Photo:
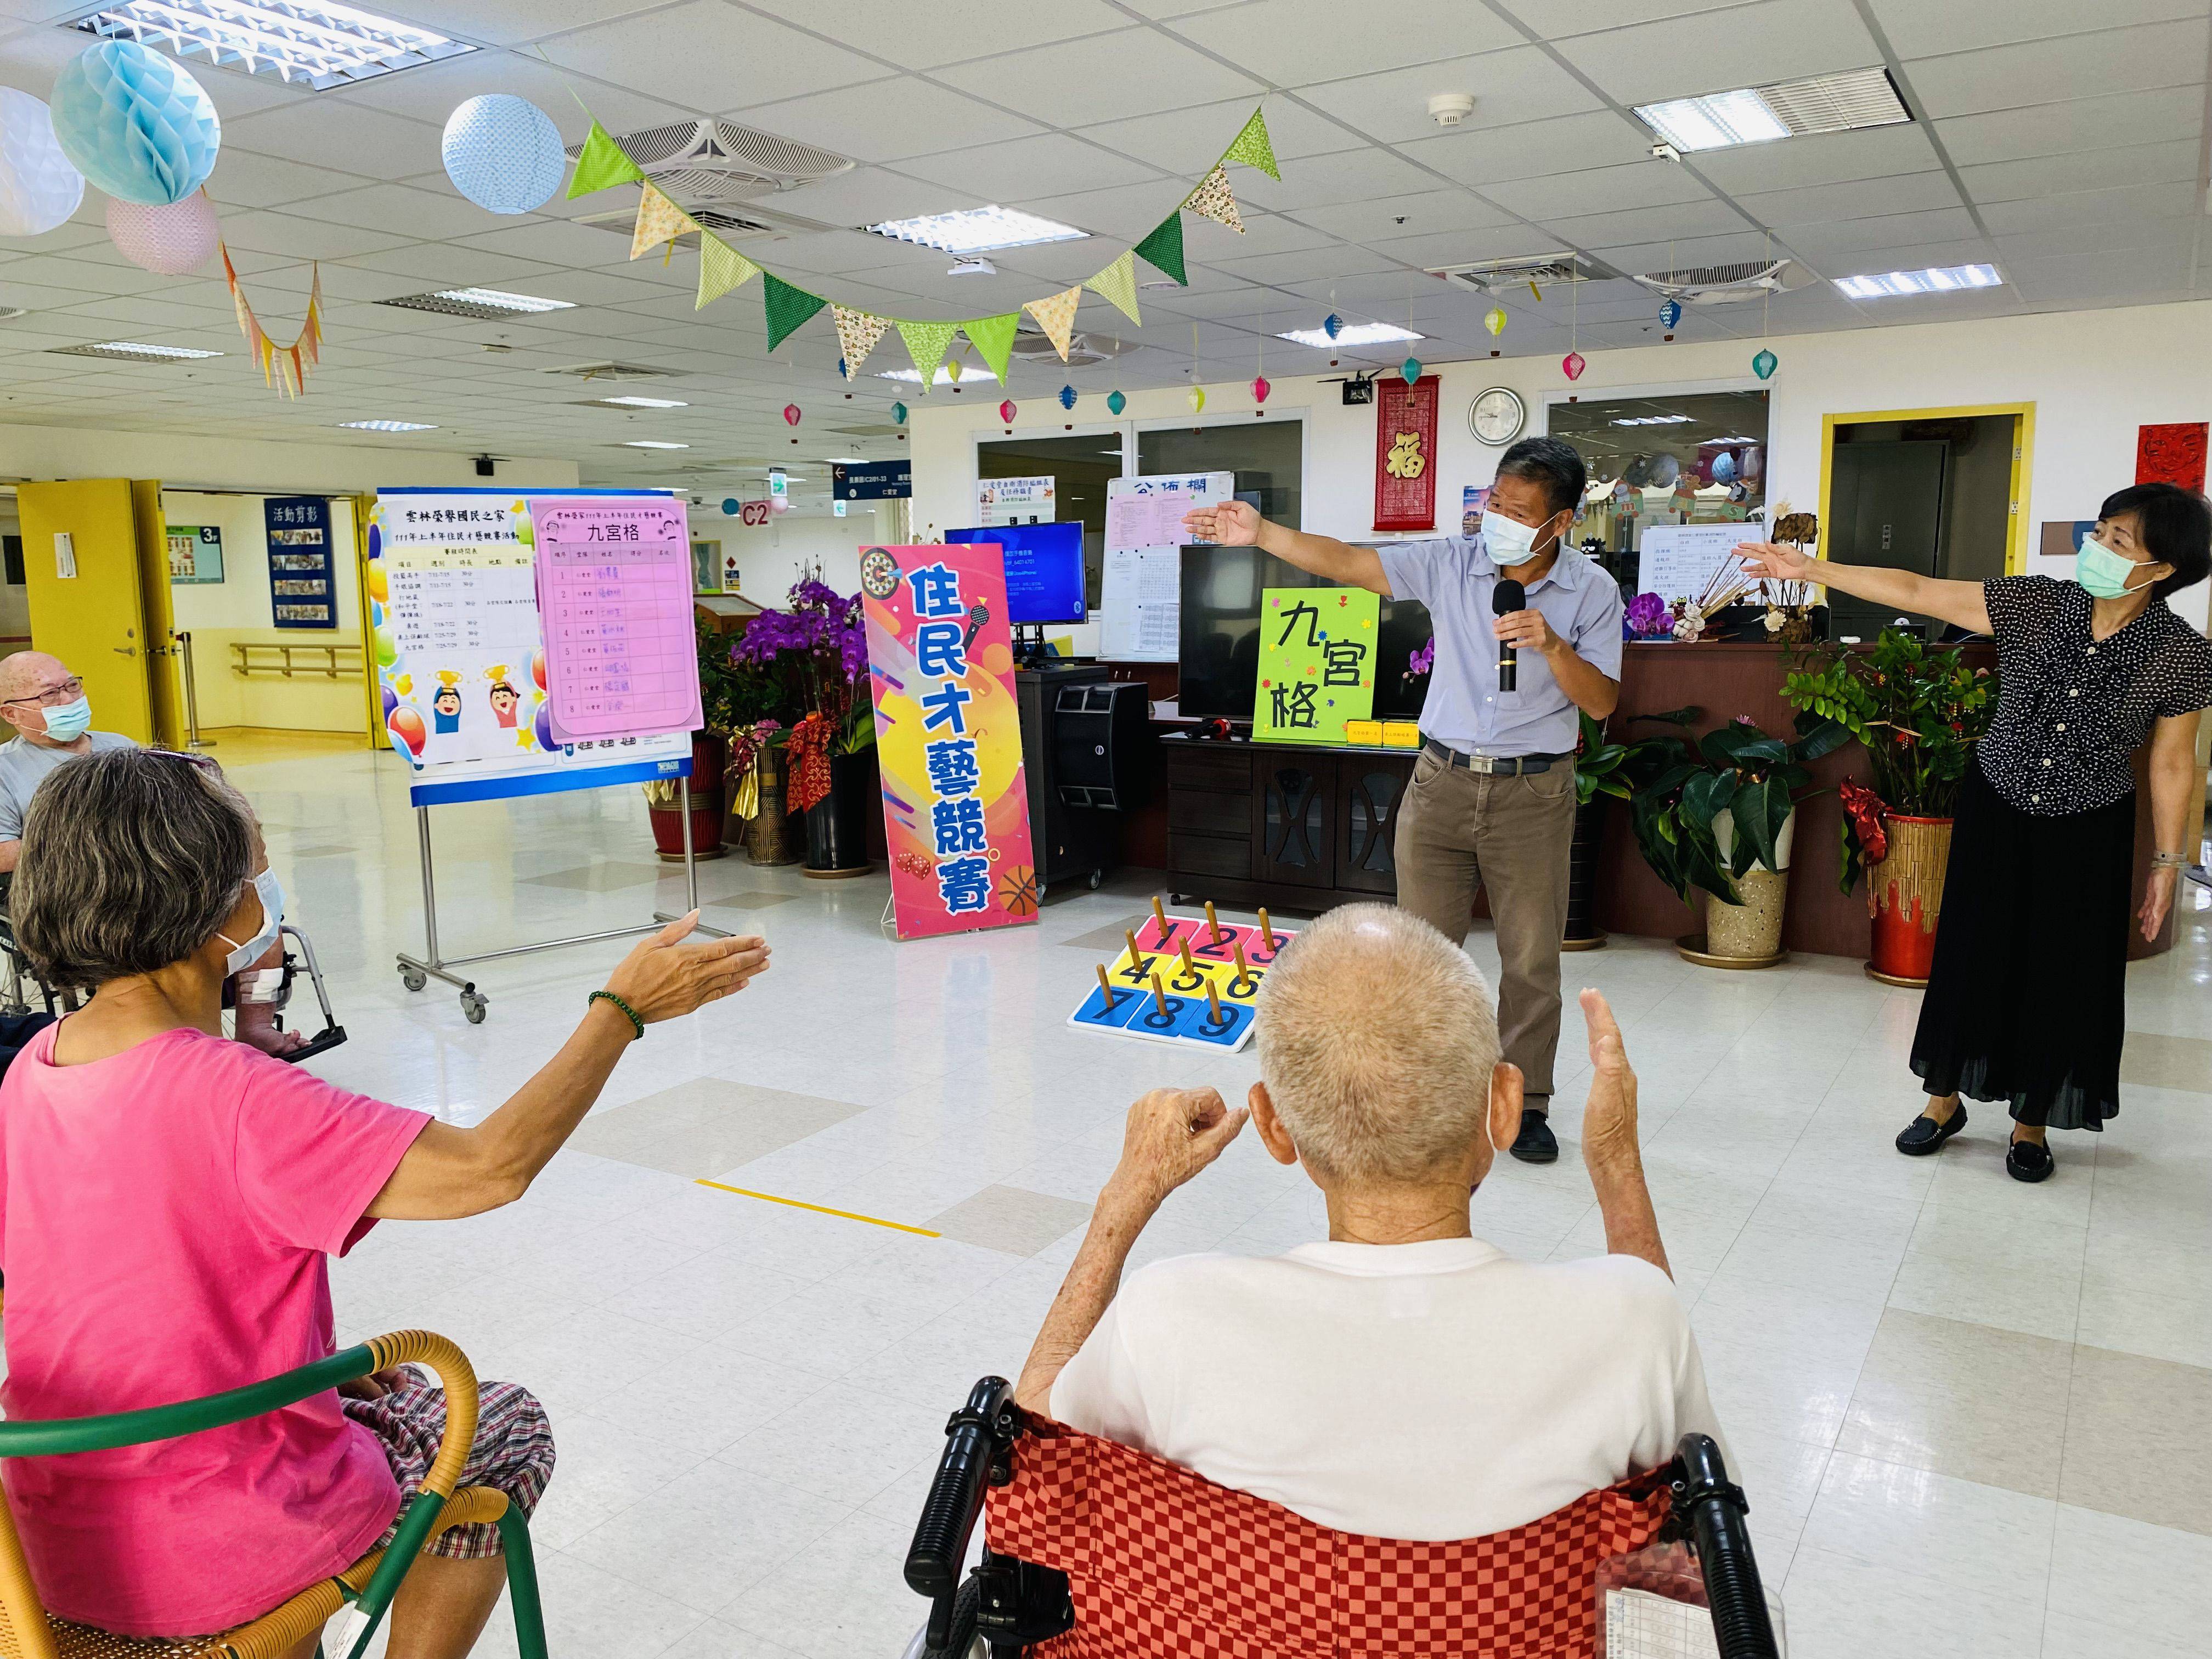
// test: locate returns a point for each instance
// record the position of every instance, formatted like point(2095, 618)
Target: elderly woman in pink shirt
point(168, 1204)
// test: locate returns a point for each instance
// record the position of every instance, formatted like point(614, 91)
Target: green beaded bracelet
point(628, 1012)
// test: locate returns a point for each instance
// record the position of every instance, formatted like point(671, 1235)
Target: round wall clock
point(1496, 415)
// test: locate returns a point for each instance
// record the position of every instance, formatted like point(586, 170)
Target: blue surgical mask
point(2099, 570)
point(1508, 541)
point(271, 891)
point(70, 721)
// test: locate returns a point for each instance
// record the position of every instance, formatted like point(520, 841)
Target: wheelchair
point(1097, 1551)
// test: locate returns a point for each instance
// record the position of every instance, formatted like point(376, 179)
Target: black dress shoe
point(2029, 1160)
point(1535, 1144)
point(1924, 1134)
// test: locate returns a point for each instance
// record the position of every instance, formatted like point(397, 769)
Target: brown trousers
point(1461, 830)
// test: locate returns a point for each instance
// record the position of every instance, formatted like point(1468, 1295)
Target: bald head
point(1376, 1041)
point(27, 673)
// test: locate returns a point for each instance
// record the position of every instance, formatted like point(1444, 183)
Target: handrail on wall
point(331, 661)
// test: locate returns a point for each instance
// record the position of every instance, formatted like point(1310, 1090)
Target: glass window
point(1698, 457)
point(1079, 468)
point(1267, 456)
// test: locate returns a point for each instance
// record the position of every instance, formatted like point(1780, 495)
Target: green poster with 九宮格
point(1317, 663)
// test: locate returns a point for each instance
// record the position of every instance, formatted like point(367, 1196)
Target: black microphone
point(1508, 595)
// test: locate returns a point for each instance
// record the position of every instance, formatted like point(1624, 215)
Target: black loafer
point(1535, 1144)
point(2029, 1160)
point(1924, 1135)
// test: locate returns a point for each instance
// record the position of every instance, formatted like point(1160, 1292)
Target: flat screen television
point(1044, 569)
point(1220, 642)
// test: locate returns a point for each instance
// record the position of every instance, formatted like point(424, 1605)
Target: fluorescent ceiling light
point(386, 426)
point(653, 443)
point(977, 230)
point(291, 41)
point(135, 351)
point(943, 375)
point(1654, 420)
point(1757, 115)
point(499, 301)
point(1352, 334)
point(1937, 280)
point(641, 402)
point(845, 460)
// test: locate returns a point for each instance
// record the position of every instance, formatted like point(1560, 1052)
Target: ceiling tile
point(1310, 265)
point(1599, 189)
point(1352, 175)
point(1183, 141)
point(2078, 124)
point(442, 264)
point(242, 179)
point(1568, 144)
point(886, 120)
point(1643, 224)
point(1558, 19)
point(2096, 169)
point(1923, 28)
point(1125, 212)
point(1747, 46)
point(2116, 239)
point(271, 232)
point(865, 195)
point(2079, 66)
point(555, 243)
point(690, 54)
point(946, 30)
point(416, 214)
point(432, 92)
point(1021, 168)
point(1826, 238)
point(506, 22)
point(1520, 84)
point(1863, 198)
point(1824, 158)
point(1103, 78)
point(2089, 207)
point(344, 137)
point(1428, 253)
point(1430, 213)
point(1276, 39)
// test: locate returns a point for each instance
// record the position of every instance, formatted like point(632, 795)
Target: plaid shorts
point(512, 1452)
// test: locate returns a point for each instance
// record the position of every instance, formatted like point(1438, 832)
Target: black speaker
point(1098, 733)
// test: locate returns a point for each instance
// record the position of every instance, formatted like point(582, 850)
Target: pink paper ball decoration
point(173, 241)
point(1261, 388)
point(1006, 412)
point(791, 414)
point(1574, 365)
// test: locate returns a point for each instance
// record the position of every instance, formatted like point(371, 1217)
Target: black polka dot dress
point(2026, 1000)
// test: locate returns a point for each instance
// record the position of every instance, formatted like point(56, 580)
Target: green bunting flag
point(721, 267)
point(925, 344)
point(1162, 249)
point(1118, 282)
point(787, 306)
point(1253, 148)
point(601, 164)
point(993, 338)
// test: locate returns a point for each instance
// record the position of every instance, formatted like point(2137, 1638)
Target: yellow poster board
point(1317, 663)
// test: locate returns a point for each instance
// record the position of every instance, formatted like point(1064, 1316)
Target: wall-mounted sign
point(876, 481)
point(1015, 500)
point(195, 553)
point(755, 513)
point(303, 587)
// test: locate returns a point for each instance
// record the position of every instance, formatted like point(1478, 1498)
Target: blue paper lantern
point(503, 153)
point(1067, 397)
point(898, 413)
point(1332, 324)
point(135, 124)
point(1670, 314)
point(1117, 401)
point(1724, 468)
point(732, 507)
point(1764, 364)
point(1410, 368)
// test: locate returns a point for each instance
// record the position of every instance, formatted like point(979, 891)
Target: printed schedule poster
point(614, 595)
point(1317, 663)
point(460, 651)
point(955, 809)
point(303, 585)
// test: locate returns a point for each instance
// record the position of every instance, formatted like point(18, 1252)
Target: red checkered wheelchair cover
point(1161, 1563)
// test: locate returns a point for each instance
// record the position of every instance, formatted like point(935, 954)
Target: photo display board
point(459, 646)
point(303, 588)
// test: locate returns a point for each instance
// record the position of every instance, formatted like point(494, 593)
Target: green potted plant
point(710, 755)
point(1721, 816)
point(1919, 712)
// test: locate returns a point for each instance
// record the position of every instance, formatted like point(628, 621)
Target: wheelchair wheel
point(413, 978)
point(1096, 876)
point(472, 1005)
point(965, 1643)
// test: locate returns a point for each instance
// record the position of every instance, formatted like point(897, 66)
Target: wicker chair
point(27, 1631)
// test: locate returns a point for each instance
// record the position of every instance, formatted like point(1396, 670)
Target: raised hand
point(1775, 562)
point(1172, 1135)
point(1610, 1140)
point(670, 974)
point(1232, 524)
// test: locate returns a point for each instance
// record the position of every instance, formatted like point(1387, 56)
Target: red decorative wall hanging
point(2171, 455)
point(1406, 453)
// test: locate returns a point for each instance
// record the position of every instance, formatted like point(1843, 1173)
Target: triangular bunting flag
point(925, 344)
point(787, 306)
point(658, 220)
point(1253, 148)
point(857, 334)
point(721, 267)
point(1118, 282)
point(601, 164)
point(1056, 317)
point(1162, 249)
point(1212, 200)
point(993, 338)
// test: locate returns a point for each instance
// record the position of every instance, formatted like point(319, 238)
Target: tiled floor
point(1971, 1415)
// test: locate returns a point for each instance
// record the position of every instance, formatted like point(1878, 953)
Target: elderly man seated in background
point(1404, 1379)
point(52, 717)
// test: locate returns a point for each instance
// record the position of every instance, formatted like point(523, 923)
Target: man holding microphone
point(1528, 632)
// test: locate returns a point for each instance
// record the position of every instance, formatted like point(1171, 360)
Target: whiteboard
point(1147, 511)
point(1140, 605)
point(1687, 561)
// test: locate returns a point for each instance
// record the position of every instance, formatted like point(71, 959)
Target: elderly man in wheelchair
point(1400, 1441)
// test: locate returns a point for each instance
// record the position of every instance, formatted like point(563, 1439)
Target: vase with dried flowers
point(817, 650)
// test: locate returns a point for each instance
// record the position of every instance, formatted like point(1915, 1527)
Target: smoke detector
point(1449, 109)
point(1720, 285)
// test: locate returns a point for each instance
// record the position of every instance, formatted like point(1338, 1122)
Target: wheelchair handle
point(977, 1439)
point(1714, 1507)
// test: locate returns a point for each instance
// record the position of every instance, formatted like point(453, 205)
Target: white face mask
point(271, 891)
point(1508, 541)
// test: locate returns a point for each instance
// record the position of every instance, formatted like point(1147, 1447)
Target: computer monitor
point(1044, 569)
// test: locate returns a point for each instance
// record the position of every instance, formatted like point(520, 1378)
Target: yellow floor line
point(820, 1209)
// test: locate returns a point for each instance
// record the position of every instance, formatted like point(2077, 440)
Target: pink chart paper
point(614, 588)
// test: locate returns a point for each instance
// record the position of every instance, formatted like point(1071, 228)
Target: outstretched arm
point(1960, 604)
point(1238, 523)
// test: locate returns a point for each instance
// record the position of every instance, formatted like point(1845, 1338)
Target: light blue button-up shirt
point(1454, 577)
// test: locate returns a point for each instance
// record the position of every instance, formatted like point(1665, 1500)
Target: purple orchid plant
point(818, 649)
point(1648, 617)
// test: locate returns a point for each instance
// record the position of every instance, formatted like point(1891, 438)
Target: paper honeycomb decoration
point(169, 241)
point(38, 188)
point(135, 124)
point(503, 153)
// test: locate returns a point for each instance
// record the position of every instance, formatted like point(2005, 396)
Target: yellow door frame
point(2023, 456)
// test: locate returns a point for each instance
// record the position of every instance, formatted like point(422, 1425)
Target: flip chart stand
point(415, 972)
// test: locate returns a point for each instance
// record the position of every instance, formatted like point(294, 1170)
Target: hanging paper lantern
point(1006, 412)
point(1494, 320)
point(1261, 389)
point(791, 414)
point(1723, 468)
point(135, 123)
point(1196, 398)
point(1067, 397)
point(732, 507)
point(1117, 401)
point(843, 373)
point(953, 370)
point(1332, 325)
point(406, 728)
point(1670, 314)
point(169, 241)
point(38, 188)
point(1574, 365)
point(1764, 364)
point(503, 153)
point(1410, 368)
point(898, 413)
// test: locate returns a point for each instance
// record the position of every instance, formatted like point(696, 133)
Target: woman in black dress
point(2026, 999)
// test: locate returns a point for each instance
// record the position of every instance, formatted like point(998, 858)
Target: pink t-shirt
point(165, 1218)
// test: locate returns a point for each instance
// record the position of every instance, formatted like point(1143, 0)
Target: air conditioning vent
point(720, 161)
point(1035, 346)
point(613, 371)
point(751, 223)
point(1544, 269)
point(1720, 285)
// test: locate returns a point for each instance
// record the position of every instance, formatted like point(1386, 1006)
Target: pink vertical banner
point(948, 738)
point(614, 594)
